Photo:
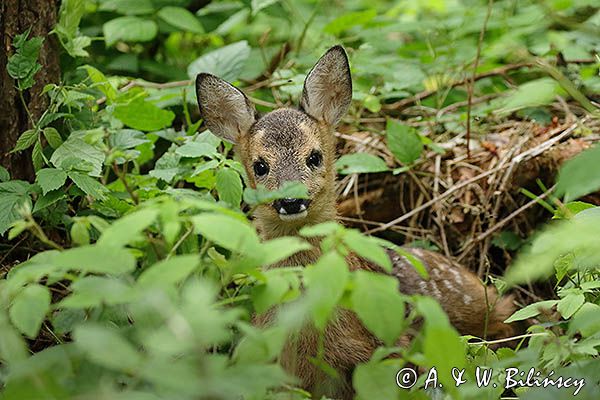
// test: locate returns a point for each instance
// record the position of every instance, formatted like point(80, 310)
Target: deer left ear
point(328, 87)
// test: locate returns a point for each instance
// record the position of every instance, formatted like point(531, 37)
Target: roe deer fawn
point(299, 145)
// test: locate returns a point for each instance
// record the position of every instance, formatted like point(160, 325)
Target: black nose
point(290, 206)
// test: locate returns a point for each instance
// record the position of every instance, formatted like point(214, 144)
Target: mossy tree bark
point(16, 16)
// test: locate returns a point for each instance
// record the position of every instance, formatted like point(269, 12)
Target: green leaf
point(367, 248)
point(129, 29)
point(226, 62)
point(4, 174)
point(50, 179)
point(278, 249)
point(379, 305)
point(128, 7)
point(127, 228)
point(568, 305)
point(26, 140)
point(325, 282)
point(586, 320)
point(48, 199)
point(96, 259)
point(29, 309)
point(23, 64)
point(144, 116)
point(576, 178)
point(261, 195)
point(13, 196)
point(376, 380)
point(125, 139)
point(74, 151)
point(258, 5)
point(571, 208)
point(97, 291)
point(403, 141)
point(90, 186)
point(107, 348)
point(533, 93)
point(53, 137)
point(360, 163)
point(80, 234)
point(169, 272)
point(531, 310)
point(227, 232)
point(101, 82)
point(349, 20)
point(67, 28)
point(181, 18)
point(196, 149)
point(229, 186)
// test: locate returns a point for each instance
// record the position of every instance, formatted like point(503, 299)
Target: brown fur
point(283, 139)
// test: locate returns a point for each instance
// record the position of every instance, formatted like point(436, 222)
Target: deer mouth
point(291, 209)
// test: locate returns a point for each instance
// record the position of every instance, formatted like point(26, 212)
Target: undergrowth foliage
point(143, 269)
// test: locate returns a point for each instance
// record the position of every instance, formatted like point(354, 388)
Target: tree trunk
point(16, 16)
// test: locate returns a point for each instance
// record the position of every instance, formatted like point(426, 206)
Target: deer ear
point(226, 111)
point(328, 87)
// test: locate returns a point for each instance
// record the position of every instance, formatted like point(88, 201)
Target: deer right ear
point(226, 111)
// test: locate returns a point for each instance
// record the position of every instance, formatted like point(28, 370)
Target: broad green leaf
point(106, 347)
point(576, 178)
point(403, 141)
point(268, 294)
point(325, 282)
point(124, 139)
point(101, 82)
point(586, 320)
point(376, 380)
point(96, 259)
point(129, 29)
point(50, 179)
point(67, 28)
point(181, 18)
point(568, 305)
point(75, 151)
point(261, 195)
point(13, 196)
point(128, 7)
point(360, 163)
point(538, 92)
point(258, 5)
point(127, 228)
point(90, 186)
point(531, 310)
point(26, 140)
point(48, 200)
point(322, 229)
point(96, 291)
point(379, 305)
point(227, 232)
point(4, 174)
point(23, 65)
point(80, 234)
point(226, 62)
point(196, 149)
point(169, 272)
point(29, 309)
point(349, 20)
point(53, 137)
point(144, 116)
point(278, 249)
point(367, 248)
point(229, 186)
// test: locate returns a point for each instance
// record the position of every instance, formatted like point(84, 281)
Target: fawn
point(299, 145)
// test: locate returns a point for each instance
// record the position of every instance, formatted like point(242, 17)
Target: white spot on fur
point(467, 299)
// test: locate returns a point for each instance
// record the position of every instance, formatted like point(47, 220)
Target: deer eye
point(315, 159)
point(260, 168)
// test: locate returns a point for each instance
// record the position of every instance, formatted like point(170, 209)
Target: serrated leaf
point(181, 18)
point(53, 137)
point(13, 196)
point(89, 185)
point(129, 29)
point(26, 140)
point(29, 309)
point(229, 186)
point(378, 303)
point(226, 62)
point(360, 163)
point(50, 179)
point(75, 149)
point(143, 115)
point(403, 141)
